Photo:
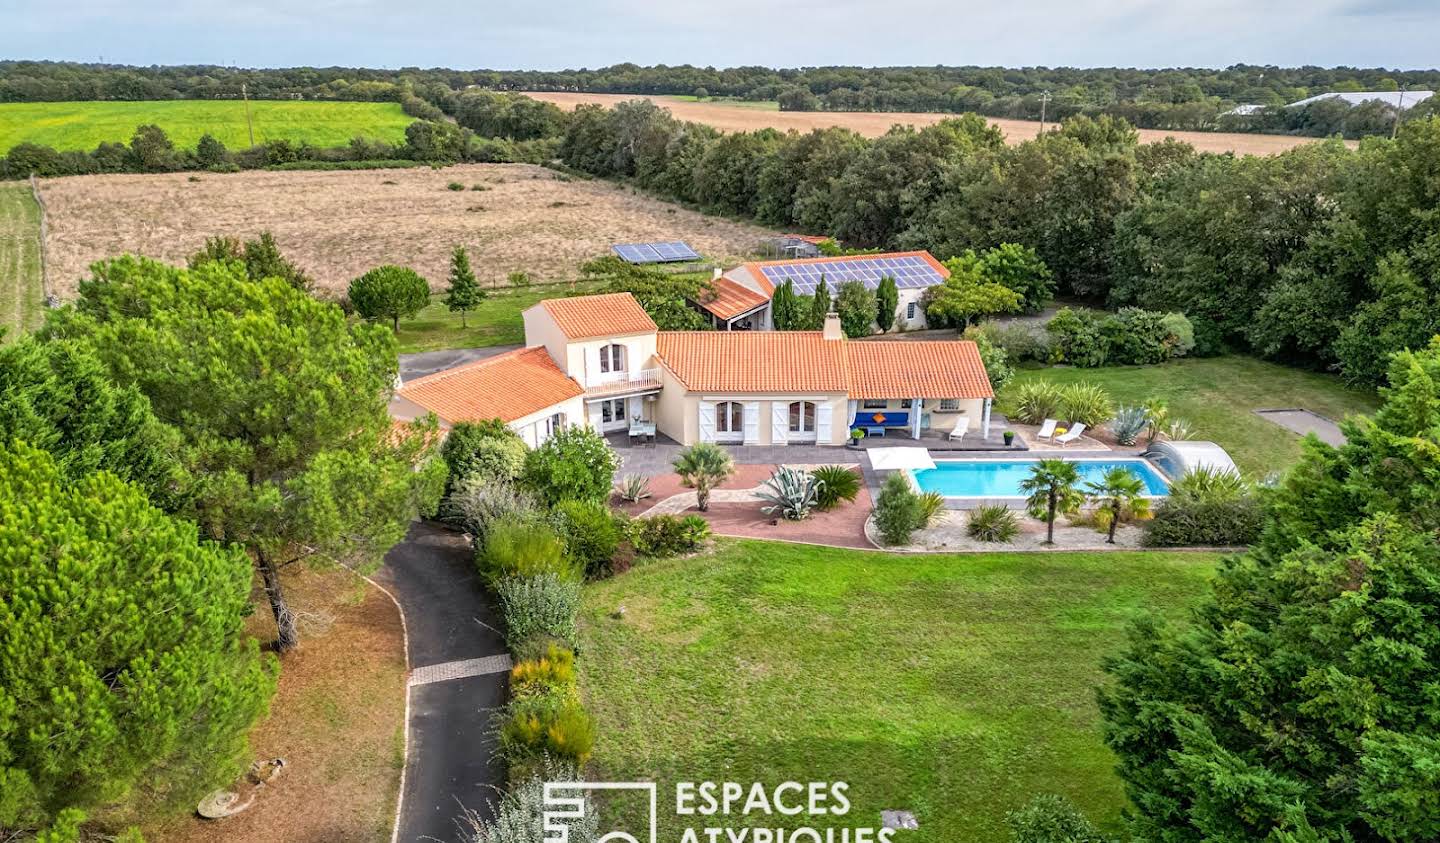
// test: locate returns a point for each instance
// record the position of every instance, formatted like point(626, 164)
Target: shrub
point(1049, 818)
point(552, 672)
point(551, 725)
point(668, 535)
point(1020, 340)
point(476, 503)
point(1210, 485)
point(524, 548)
point(633, 488)
point(521, 813)
point(574, 464)
point(897, 512)
point(488, 449)
point(929, 505)
point(1085, 403)
point(1128, 424)
point(992, 523)
point(1138, 337)
point(589, 535)
point(1185, 521)
point(791, 493)
point(1033, 401)
point(1179, 334)
point(1078, 338)
point(1179, 430)
point(837, 483)
point(545, 604)
point(455, 185)
point(994, 358)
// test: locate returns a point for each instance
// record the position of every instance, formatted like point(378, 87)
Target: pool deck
point(875, 479)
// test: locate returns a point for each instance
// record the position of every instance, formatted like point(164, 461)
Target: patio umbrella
point(895, 459)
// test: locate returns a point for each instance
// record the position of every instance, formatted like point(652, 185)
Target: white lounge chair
point(962, 427)
point(1070, 435)
point(1047, 429)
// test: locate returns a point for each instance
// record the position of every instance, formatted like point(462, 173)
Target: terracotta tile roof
point(732, 299)
point(808, 238)
point(753, 267)
point(603, 315)
point(919, 369)
point(753, 361)
point(506, 387)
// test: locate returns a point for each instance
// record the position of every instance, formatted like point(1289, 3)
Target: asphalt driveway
point(429, 362)
point(459, 671)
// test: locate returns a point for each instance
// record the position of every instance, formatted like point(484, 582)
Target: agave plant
point(1128, 423)
point(791, 493)
point(633, 487)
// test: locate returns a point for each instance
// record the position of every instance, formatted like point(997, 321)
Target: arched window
point(802, 417)
point(612, 358)
point(730, 418)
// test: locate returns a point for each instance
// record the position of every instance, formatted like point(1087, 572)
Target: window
point(910, 311)
point(874, 404)
point(612, 358)
point(612, 411)
point(907, 403)
point(729, 417)
point(802, 417)
point(554, 425)
point(949, 405)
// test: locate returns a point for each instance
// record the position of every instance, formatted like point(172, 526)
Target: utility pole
point(245, 95)
point(1044, 98)
point(1399, 107)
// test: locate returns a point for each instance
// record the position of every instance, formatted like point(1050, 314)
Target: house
point(600, 361)
point(742, 295)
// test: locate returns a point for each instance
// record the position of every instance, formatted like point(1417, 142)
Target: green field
point(84, 125)
point(1218, 397)
point(953, 686)
point(758, 105)
point(22, 296)
point(495, 322)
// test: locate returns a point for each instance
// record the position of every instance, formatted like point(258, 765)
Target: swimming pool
point(1001, 478)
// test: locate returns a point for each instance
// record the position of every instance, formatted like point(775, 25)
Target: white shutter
point(779, 422)
point(852, 408)
point(707, 421)
point(823, 411)
point(527, 433)
point(752, 422)
point(596, 420)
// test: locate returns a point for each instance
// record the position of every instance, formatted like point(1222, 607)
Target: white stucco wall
point(531, 428)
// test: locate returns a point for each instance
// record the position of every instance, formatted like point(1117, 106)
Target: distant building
point(1244, 110)
point(1395, 99)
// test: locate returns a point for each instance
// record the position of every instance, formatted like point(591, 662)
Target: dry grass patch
point(337, 719)
point(743, 118)
point(337, 225)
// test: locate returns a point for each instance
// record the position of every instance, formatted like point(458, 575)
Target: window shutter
point(779, 422)
point(823, 411)
point(595, 419)
point(752, 422)
point(707, 421)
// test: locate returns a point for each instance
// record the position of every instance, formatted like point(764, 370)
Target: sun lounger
point(961, 428)
point(1070, 435)
point(1047, 429)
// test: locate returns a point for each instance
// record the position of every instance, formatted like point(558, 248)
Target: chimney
point(832, 327)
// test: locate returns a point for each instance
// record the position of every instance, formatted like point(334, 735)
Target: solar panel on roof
point(662, 252)
point(909, 272)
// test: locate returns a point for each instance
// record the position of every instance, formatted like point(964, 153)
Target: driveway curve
point(458, 675)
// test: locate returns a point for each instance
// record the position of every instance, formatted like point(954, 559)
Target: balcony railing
point(623, 381)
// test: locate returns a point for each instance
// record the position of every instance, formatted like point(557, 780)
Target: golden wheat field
point(336, 225)
point(871, 124)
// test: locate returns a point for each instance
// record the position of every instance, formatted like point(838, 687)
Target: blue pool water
point(1001, 479)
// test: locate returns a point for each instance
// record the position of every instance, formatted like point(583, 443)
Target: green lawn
point(759, 105)
point(953, 686)
point(496, 322)
point(83, 125)
point(22, 298)
point(1218, 395)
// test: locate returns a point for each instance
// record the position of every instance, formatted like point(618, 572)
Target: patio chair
point(1047, 429)
point(1070, 435)
point(962, 427)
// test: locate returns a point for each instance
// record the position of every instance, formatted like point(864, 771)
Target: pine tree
point(281, 403)
point(887, 301)
point(784, 308)
point(124, 661)
point(1300, 702)
point(819, 306)
point(464, 293)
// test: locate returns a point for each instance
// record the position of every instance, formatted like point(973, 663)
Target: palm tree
point(1051, 486)
point(1118, 489)
point(702, 467)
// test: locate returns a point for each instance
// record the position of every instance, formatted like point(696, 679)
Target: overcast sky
point(776, 33)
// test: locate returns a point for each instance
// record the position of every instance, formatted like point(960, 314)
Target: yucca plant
point(1179, 430)
point(1032, 402)
point(791, 493)
point(633, 488)
point(1085, 403)
point(1157, 415)
point(992, 522)
point(837, 483)
point(1128, 423)
point(930, 506)
point(1208, 484)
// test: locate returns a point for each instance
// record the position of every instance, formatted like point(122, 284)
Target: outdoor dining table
point(642, 430)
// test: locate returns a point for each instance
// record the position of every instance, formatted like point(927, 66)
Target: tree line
point(1321, 256)
point(1172, 98)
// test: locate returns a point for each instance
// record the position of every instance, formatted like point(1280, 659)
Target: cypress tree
point(784, 307)
point(819, 306)
point(464, 293)
point(887, 301)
